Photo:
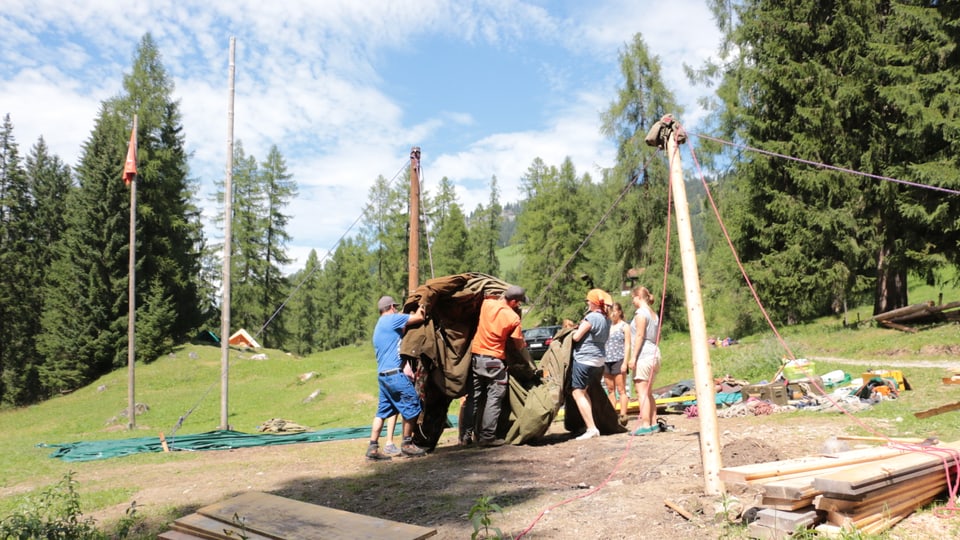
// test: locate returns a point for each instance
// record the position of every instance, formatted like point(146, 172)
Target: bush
point(54, 514)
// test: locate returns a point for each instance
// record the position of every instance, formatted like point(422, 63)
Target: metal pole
point(227, 240)
point(132, 299)
point(413, 261)
point(703, 372)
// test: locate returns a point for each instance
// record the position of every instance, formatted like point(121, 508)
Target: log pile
point(867, 490)
point(923, 313)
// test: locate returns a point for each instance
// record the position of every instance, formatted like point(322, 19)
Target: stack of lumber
point(867, 490)
point(261, 516)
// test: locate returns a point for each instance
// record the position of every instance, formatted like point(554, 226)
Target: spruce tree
point(19, 301)
point(867, 86)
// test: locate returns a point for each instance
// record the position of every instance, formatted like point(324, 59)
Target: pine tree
point(450, 239)
point(278, 188)
point(872, 87)
point(386, 231)
point(19, 301)
point(86, 298)
point(557, 215)
point(641, 240)
point(85, 311)
point(484, 233)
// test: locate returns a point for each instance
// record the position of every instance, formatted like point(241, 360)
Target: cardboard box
point(775, 393)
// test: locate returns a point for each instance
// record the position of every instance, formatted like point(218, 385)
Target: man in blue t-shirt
point(397, 394)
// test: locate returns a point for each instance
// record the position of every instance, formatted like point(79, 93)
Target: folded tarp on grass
point(211, 440)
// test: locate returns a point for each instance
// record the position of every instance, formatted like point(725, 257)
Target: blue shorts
point(584, 375)
point(397, 395)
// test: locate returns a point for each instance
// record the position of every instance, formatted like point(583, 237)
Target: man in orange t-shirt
point(499, 322)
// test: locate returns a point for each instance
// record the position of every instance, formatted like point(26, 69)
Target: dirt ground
point(610, 487)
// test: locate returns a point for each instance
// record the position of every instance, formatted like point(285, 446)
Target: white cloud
point(308, 80)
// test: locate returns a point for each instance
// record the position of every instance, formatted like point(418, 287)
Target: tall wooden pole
point(413, 261)
point(702, 371)
point(227, 241)
point(132, 299)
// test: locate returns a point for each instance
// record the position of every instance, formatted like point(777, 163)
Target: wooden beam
point(938, 410)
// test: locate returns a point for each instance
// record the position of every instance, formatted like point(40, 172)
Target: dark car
point(538, 339)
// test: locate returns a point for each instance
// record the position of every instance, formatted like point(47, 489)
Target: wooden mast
point(413, 258)
point(703, 372)
point(227, 241)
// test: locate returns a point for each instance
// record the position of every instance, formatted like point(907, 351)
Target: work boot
point(490, 443)
point(373, 453)
point(411, 450)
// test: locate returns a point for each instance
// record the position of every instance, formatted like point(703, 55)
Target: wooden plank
point(785, 521)
point(883, 520)
point(887, 472)
point(214, 529)
point(756, 530)
point(938, 410)
point(905, 440)
point(757, 471)
point(896, 505)
point(788, 505)
point(177, 535)
point(837, 504)
point(278, 517)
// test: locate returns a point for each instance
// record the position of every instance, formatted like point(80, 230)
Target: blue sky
point(345, 88)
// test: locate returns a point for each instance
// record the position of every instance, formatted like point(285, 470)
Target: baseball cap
point(515, 292)
point(385, 302)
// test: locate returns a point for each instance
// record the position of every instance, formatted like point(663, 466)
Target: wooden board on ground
point(265, 516)
point(938, 410)
point(758, 471)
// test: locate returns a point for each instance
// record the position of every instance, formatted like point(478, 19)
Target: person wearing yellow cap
point(589, 355)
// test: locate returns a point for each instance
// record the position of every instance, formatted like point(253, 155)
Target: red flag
point(130, 167)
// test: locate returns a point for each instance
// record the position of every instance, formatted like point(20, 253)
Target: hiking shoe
point(373, 453)
point(466, 439)
point(647, 430)
point(490, 443)
point(391, 450)
point(411, 450)
point(589, 434)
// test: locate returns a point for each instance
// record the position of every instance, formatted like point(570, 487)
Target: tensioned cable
point(826, 166)
point(623, 192)
point(183, 418)
point(331, 250)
